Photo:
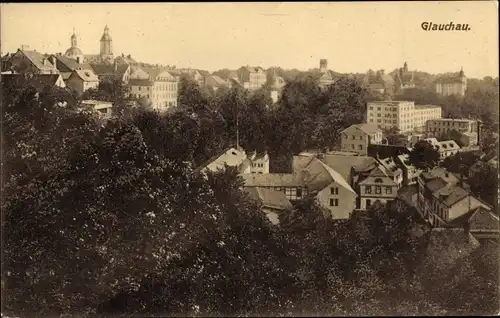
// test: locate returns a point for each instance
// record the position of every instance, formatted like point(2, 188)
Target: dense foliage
point(110, 219)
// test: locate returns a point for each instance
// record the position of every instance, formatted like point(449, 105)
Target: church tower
point(74, 52)
point(106, 52)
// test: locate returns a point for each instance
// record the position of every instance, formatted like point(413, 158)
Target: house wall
point(367, 198)
point(76, 83)
point(344, 201)
point(138, 91)
point(257, 80)
point(355, 140)
point(260, 165)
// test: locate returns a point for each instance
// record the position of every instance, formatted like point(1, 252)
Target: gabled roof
point(378, 177)
point(86, 75)
point(230, 156)
point(71, 64)
point(269, 198)
point(366, 128)
point(125, 59)
point(110, 70)
point(436, 184)
point(343, 163)
point(337, 177)
point(155, 71)
point(140, 82)
point(38, 60)
point(438, 172)
point(390, 166)
point(479, 219)
point(38, 81)
point(450, 194)
point(295, 179)
point(321, 174)
point(253, 69)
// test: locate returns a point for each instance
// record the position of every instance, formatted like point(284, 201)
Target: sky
point(354, 37)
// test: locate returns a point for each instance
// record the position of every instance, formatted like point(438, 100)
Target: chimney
point(467, 230)
point(44, 61)
point(53, 60)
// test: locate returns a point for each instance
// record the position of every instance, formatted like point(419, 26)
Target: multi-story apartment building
point(252, 78)
point(403, 115)
point(441, 199)
point(468, 129)
point(452, 85)
point(356, 138)
point(423, 113)
point(161, 89)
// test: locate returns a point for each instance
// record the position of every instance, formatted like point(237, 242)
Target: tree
point(191, 97)
point(424, 155)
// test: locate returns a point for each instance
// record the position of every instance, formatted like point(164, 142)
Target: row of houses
point(363, 139)
point(340, 182)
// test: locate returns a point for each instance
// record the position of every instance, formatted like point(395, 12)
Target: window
point(368, 189)
point(352, 146)
point(379, 115)
point(378, 189)
point(371, 120)
point(360, 147)
point(334, 190)
point(368, 203)
point(334, 202)
point(353, 137)
point(388, 190)
point(299, 193)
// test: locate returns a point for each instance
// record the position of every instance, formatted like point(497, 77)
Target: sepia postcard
point(253, 159)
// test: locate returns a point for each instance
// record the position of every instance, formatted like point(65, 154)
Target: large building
point(356, 138)
point(252, 78)
point(403, 78)
point(452, 85)
point(442, 126)
point(403, 115)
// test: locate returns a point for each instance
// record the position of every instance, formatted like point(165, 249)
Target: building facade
point(377, 186)
point(160, 89)
point(82, 80)
point(467, 128)
point(403, 115)
point(452, 85)
point(356, 138)
point(441, 199)
point(252, 78)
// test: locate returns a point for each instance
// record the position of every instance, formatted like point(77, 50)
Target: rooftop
point(296, 179)
point(426, 106)
point(270, 198)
